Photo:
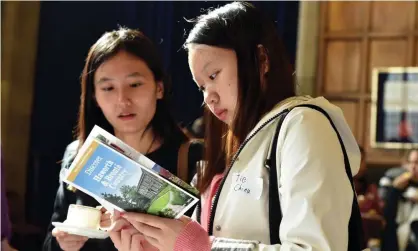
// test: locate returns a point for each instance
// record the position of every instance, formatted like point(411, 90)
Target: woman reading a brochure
point(279, 167)
point(123, 90)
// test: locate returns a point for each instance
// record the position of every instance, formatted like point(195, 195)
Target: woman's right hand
point(69, 242)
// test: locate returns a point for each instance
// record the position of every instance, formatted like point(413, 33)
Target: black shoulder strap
point(355, 229)
point(275, 212)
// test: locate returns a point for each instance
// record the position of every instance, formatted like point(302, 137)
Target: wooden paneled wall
point(355, 37)
point(19, 30)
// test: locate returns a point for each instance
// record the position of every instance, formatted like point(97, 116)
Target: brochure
point(121, 178)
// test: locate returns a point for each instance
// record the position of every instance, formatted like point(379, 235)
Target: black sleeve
point(59, 214)
point(389, 238)
point(63, 199)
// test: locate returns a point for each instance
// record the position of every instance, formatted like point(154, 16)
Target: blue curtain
point(66, 31)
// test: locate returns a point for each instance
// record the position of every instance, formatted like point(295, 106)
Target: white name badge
point(246, 185)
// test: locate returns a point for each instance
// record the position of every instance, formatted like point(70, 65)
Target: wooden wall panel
point(342, 70)
point(387, 53)
point(18, 58)
point(416, 52)
point(350, 110)
point(392, 16)
point(346, 16)
point(366, 121)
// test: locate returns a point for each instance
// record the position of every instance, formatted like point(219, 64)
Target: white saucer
point(87, 232)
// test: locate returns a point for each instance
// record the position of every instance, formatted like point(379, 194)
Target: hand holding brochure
point(123, 179)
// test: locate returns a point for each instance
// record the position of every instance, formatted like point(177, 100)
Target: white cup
point(83, 216)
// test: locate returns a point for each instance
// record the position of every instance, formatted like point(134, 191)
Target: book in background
point(119, 177)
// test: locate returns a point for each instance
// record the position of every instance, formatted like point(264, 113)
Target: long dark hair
point(137, 44)
point(241, 27)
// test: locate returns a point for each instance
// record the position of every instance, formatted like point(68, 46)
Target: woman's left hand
point(129, 239)
point(160, 232)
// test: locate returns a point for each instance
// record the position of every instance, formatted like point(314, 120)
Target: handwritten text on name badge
point(246, 185)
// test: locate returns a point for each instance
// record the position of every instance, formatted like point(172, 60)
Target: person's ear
point(160, 90)
point(264, 64)
point(263, 59)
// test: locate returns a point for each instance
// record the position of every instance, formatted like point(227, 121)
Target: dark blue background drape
point(67, 30)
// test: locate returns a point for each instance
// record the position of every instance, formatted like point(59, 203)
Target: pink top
point(195, 235)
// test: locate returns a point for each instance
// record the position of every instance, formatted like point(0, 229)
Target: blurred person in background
point(390, 175)
point(196, 129)
point(369, 202)
point(401, 206)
